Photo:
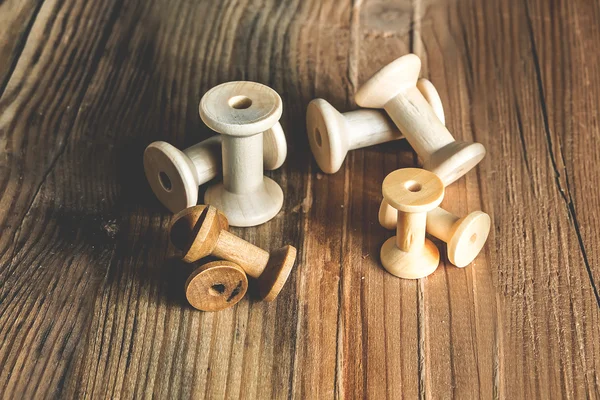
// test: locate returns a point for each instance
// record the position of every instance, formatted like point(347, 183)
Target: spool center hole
point(165, 181)
point(473, 238)
point(413, 186)
point(240, 102)
point(318, 137)
point(217, 289)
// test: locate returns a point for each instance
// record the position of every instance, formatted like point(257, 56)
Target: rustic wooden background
point(91, 302)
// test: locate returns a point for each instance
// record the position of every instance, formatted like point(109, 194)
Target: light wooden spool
point(201, 231)
point(394, 89)
point(241, 112)
point(413, 192)
point(332, 134)
point(174, 175)
point(216, 286)
point(464, 237)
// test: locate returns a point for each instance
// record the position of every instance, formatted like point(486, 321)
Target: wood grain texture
point(92, 303)
point(16, 20)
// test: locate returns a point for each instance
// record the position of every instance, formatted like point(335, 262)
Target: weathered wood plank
point(51, 238)
point(545, 300)
point(379, 311)
point(325, 48)
point(459, 304)
point(430, 338)
point(567, 80)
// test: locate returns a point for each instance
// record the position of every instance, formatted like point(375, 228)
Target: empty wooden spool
point(332, 134)
point(241, 112)
point(394, 88)
point(201, 231)
point(174, 175)
point(464, 237)
point(413, 192)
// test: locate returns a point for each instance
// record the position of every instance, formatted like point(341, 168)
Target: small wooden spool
point(216, 285)
point(175, 175)
point(241, 112)
point(413, 192)
point(464, 237)
point(394, 88)
point(332, 134)
point(201, 231)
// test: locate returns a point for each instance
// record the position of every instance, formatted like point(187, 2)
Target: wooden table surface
point(91, 299)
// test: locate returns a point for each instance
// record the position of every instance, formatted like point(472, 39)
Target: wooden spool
point(241, 112)
point(201, 231)
point(216, 286)
point(174, 175)
point(332, 134)
point(464, 237)
point(413, 192)
point(394, 88)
